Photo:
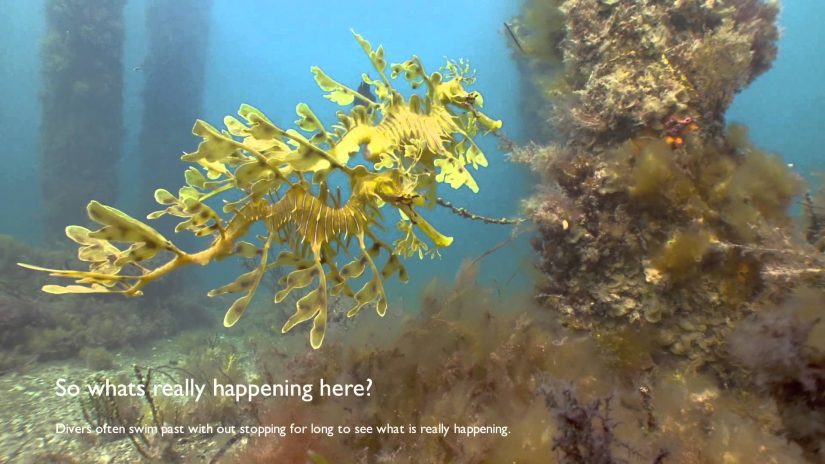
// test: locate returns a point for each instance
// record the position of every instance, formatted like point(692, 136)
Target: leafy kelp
point(410, 145)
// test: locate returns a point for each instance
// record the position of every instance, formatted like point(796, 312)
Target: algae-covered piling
point(82, 107)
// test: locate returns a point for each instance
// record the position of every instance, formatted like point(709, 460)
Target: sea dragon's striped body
point(409, 145)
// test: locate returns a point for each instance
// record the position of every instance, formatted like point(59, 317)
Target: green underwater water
point(625, 275)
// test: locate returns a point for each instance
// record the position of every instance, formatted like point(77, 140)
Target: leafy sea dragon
point(409, 145)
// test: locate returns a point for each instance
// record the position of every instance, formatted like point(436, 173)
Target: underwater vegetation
point(81, 99)
point(814, 207)
point(213, 360)
point(409, 146)
point(712, 230)
point(589, 432)
point(461, 360)
point(633, 67)
point(467, 358)
point(464, 359)
point(132, 414)
point(39, 327)
point(784, 347)
point(662, 228)
point(655, 214)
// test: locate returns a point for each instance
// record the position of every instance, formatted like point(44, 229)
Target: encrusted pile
point(653, 212)
point(658, 225)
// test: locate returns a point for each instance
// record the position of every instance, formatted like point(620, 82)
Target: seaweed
point(651, 212)
point(130, 414)
point(814, 209)
point(628, 68)
point(36, 326)
point(464, 359)
point(661, 227)
point(460, 360)
point(788, 362)
point(587, 432)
